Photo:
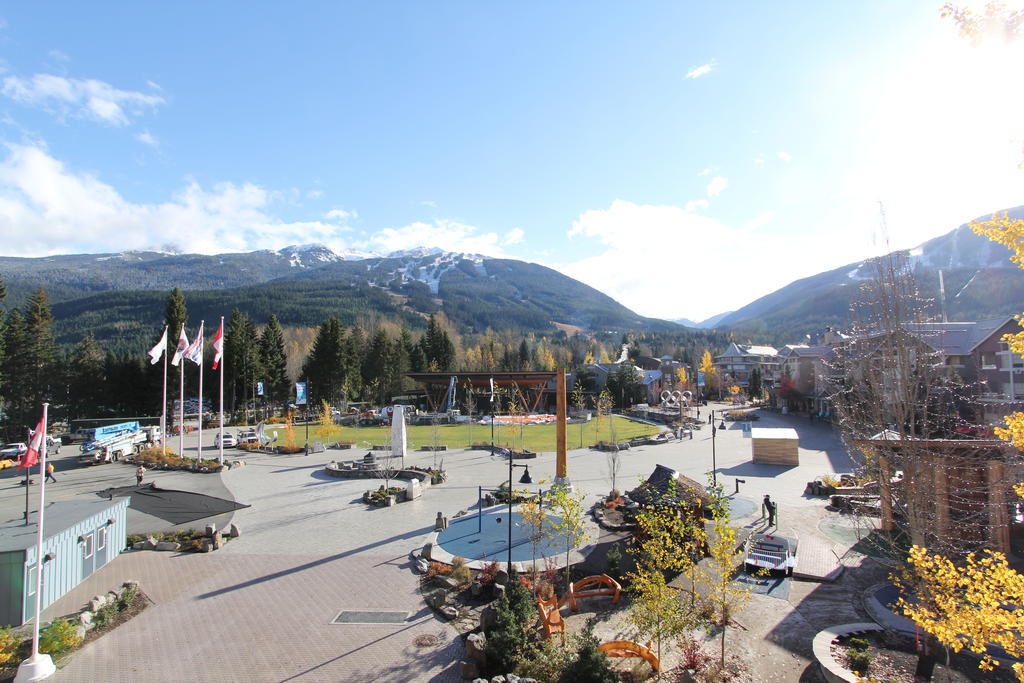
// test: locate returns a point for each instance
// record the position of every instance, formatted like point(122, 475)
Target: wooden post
point(998, 520)
point(940, 481)
point(562, 461)
point(885, 489)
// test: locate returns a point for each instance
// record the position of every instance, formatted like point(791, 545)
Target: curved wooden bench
point(600, 585)
point(627, 648)
point(550, 617)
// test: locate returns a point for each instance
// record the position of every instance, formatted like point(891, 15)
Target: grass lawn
point(540, 438)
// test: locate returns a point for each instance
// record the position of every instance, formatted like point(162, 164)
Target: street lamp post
point(525, 479)
point(714, 466)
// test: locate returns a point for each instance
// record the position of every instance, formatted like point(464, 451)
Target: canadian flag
point(195, 350)
point(35, 445)
point(180, 351)
point(218, 345)
point(157, 351)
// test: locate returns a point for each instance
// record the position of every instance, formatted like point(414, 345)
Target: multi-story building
point(740, 360)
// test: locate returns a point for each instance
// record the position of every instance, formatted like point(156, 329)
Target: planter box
point(381, 447)
point(439, 447)
point(343, 446)
point(523, 455)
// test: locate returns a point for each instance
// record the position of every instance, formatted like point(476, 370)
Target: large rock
point(475, 644)
point(488, 618)
point(422, 566)
point(445, 582)
point(427, 548)
point(436, 599)
point(233, 532)
point(205, 545)
point(211, 529)
point(218, 540)
point(468, 670)
point(85, 619)
point(95, 605)
point(449, 612)
point(167, 545)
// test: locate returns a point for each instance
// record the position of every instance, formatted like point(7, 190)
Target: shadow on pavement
point(315, 563)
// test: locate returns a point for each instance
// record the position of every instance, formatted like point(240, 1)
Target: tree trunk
point(925, 659)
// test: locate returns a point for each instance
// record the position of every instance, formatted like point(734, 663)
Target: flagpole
point(28, 481)
point(38, 666)
point(181, 410)
point(163, 414)
point(220, 457)
point(199, 448)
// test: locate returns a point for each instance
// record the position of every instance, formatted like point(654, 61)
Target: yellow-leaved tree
point(1010, 233)
point(707, 366)
point(971, 605)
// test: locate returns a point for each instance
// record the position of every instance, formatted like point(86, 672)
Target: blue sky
point(684, 160)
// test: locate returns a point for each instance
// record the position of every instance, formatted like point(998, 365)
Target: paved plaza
point(260, 608)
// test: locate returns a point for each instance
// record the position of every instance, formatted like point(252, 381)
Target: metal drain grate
point(366, 616)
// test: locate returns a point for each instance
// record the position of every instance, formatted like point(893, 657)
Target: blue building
point(79, 537)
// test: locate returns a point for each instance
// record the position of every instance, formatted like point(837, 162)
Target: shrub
point(858, 643)
point(829, 480)
point(548, 662)
point(9, 644)
point(128, 597)
point(859, 661)
point(591, 665)
point(438, 569)
point(692, 656)
point(487, 574)
point(459, 571)
point(508, 641)
point(614, 559)
point(59, 637)
point(104, 615)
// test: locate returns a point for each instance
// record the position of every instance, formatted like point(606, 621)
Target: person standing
point(139, 473)
point(768, 509)
point(49, 473)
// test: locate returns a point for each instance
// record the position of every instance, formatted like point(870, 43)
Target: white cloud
point(45, 208)
point(340, 215)
point(147, 138)
point(513, 236)
point(717, 186)
point(314, 194)
point(706, 171)
point(642, 248)
point(702, 70)
point(444, 234)
point(88, 99)
point(430, 203)
point(785, 156)
point(59, 56)
point(695, 204)
point(761, 219)
point(759, 159)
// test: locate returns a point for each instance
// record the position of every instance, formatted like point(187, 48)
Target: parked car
point(13, 450)
point(229, 440)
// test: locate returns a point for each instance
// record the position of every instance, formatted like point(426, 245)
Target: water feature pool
point(482, 538)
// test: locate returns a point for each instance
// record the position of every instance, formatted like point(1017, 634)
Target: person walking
point(49, 473)
point(139, 473)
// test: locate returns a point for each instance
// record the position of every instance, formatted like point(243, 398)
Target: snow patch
point(967, 284)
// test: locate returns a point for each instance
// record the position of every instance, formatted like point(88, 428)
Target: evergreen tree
point(274, 361)
point(508, 641)
point(86, 379)
point(376, 365)
point(42, 350)
point(591, 665)
point(324, 368)
point(354, 351)
point(524, 356)
point(241, 359)
point(16, 374)
point(175, 316)
point(437, 346)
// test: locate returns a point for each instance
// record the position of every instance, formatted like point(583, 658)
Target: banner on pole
point(300, 393)
point(700, 378)
point(259, 388)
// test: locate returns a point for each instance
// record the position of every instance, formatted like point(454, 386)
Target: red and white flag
point(195, 350)
point(157, 352)
point(35, 444)
point(180, 351)
point(218, 345)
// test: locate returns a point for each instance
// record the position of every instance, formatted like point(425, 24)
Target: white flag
point(157, 352)
point(180, 351)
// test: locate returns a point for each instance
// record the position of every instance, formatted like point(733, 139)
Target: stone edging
point(438, 554)
point(832, 670)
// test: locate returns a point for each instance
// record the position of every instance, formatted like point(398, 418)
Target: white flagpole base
point(36, 668)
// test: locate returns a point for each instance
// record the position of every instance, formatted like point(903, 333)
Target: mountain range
point(119, 298)
point(980, 281)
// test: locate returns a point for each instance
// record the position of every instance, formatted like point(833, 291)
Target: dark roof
point(687, 491)
point(60, 515)
point(956, 338)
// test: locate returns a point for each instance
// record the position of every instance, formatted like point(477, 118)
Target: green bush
point(857, 643)
point(59, 637)
point(859, 661)
point(128, 597)
point(9, 644)
point(508, 642)
point(104, 615)
point(614, 559)
point(591, 665)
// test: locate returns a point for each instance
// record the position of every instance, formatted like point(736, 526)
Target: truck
point(119, 444)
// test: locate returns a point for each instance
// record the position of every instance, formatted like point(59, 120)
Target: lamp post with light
point(525, 479)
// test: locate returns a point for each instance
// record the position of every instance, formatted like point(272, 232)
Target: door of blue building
point(88, 546)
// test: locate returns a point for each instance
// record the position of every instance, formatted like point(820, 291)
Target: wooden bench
point(627, 648)
point(600, 585)
point(551, 618)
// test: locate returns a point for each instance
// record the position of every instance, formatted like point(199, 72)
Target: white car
point(229, 440)
point(13, 450)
